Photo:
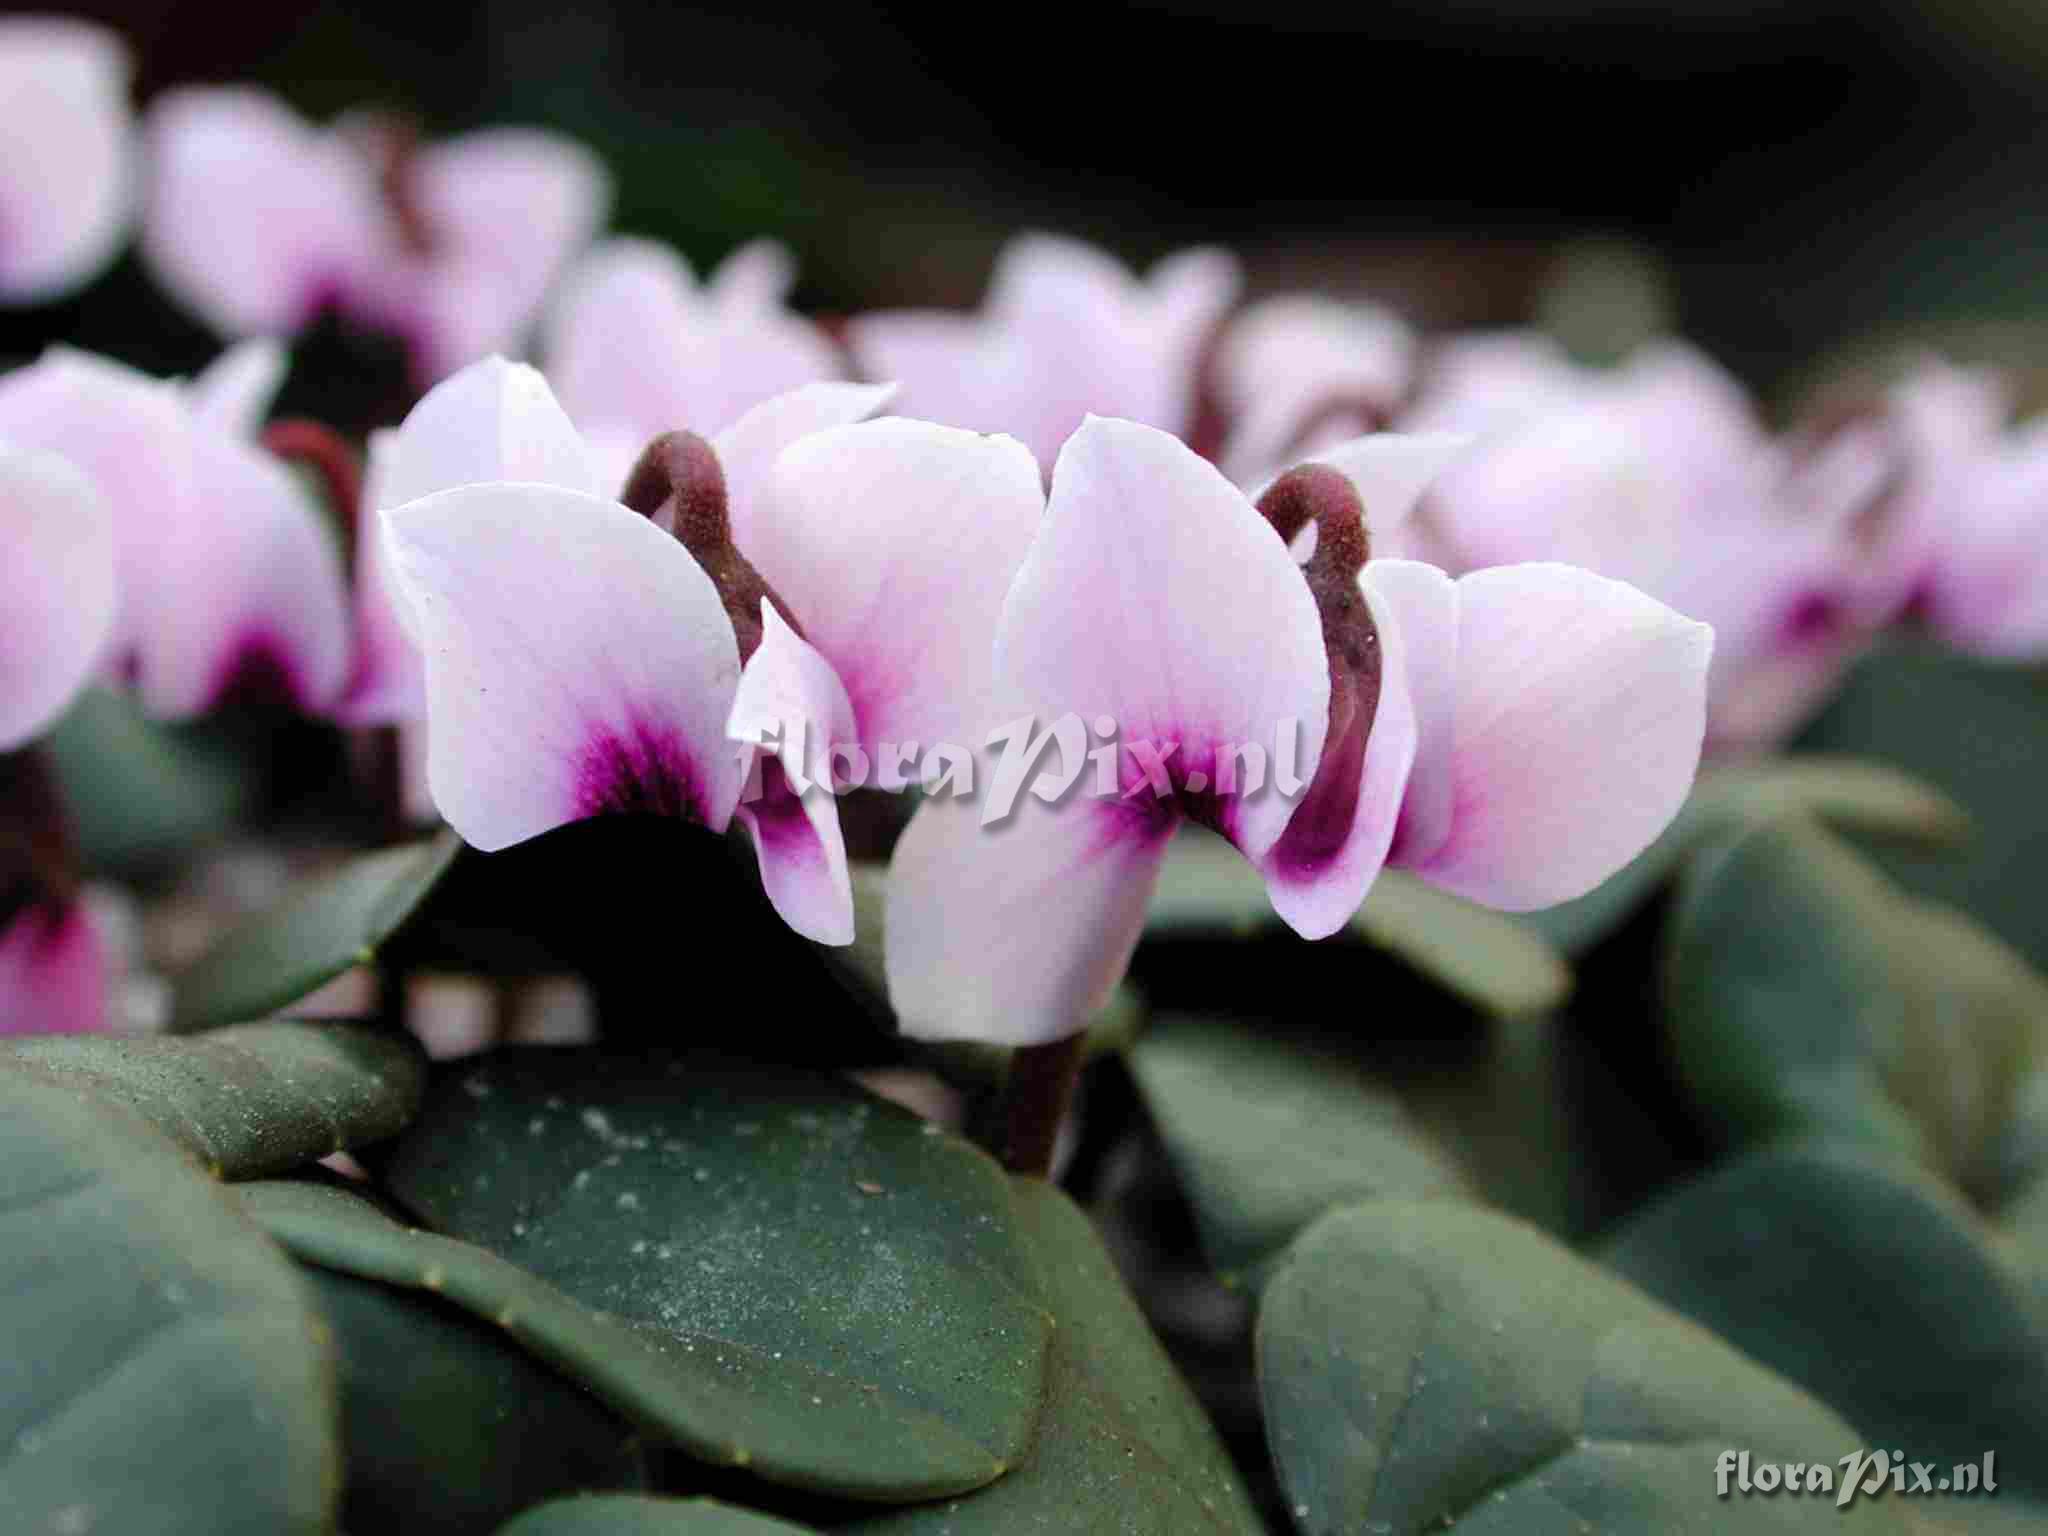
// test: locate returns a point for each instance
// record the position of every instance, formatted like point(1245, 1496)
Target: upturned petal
point(57, 597)
point(494, 420)
point(748, 448)
point(1155, 597)
point(67, 177)
point(250, 594)
point(790, 698)
point(894, 543)
point(1579, 713)
point(578, 662)
point(1421, 603)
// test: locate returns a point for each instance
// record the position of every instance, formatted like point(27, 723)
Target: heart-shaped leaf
point(831, 1253)
point(332, 922)
point(1869, 1284)
point(621, 1514)
point(1806, 993)
point(1123, 1449)
point(1843, 792)
point(1430, 1366)
point(1480, 956)
point(773, 1417)
point(1267, 1134)
point(250, 1100)
point(1979, 732)
point(448, 1426)
point(165, 1371)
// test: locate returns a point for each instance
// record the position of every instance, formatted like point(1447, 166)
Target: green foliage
point(165, 1370)
point(250, 1100)
point(1427, 1366)
point(327, 925)
point(139, 793)
point(450, 1426)
point(1476, 955)
point(1809, 994)
point(1870, 798)
point(1869, 1284)
point(851, 1274)
point(1121, 1448)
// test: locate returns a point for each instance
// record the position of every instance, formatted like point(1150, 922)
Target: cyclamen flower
point(66, 153)
point(634, 344)
point(257, 220)
point(1659, 474)
point(1515, 735)
point(227, 577)
point(587, 656)
point(57, 602)
point(1065, 330)
point(1958, 534)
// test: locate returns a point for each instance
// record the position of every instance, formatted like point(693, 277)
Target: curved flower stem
point(1036, 1095)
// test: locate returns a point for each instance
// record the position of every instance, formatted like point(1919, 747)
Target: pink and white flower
point(227, 577)
point(57, 608)
point(258, 220)
point(1515, 735)
point(1658, 473)
point(1065, 330)
point(635, 346)
point(66, 154)
point(803, 568)
point(1957, 535)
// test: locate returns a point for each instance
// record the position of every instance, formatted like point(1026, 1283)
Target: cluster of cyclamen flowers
point(1495, 600)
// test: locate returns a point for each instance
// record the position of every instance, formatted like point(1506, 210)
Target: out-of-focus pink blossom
point(635, 346)
point(1515, 735)
point(228, 577)
point(256, 220)
point(1659, 473)
point(66, 154)
point(1296, 374)
point(1065, 330)
point(1957, 533)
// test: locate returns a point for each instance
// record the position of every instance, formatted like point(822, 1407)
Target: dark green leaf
point(1979, 731)
point(250, 1100)
point(165, 1372)
point(1855, 796)
point(1808, 994)
point(448, 1426)
point(1123, 1448)
point(1267, 1134)
point(327, 925)
point(1429, 1366)
point(846, 1264)
point(717, 1401)
point(1869, 1284)
point(1480, 956)
point(138, 792)
point(619, 1514)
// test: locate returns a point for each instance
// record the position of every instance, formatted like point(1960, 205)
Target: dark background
point(1788, 175)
